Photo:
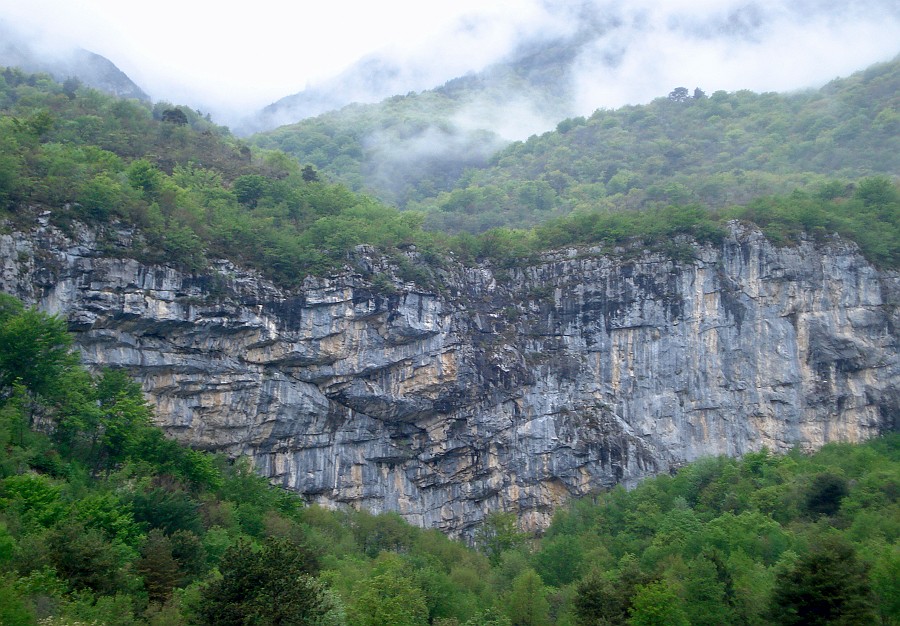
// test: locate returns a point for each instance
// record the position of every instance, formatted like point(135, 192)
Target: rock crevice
point(512, 389)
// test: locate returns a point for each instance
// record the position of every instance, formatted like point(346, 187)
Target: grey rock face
point(506, 389)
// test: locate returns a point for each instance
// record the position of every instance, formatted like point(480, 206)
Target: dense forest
point(689, 147)
point(190, 189)
point(105, 521)
point(717, 150)
point(192, 192)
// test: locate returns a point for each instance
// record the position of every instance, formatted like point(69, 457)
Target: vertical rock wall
point(504, 389)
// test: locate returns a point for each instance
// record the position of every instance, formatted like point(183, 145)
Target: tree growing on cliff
point(497, 534)
point(35, 348)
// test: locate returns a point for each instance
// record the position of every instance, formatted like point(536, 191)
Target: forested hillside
point(193, 193)
point(190, 190)
point(714, 149)
point(416, 145)
point(402, 148)
point(104, 521)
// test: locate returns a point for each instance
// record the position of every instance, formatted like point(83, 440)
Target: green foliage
point(85, 559)
point(14, 608)
point(527, 603)
point(389, 597)
point(270, 586)
point(607, 596)
point(248, 189)
point(498, 533)
point(825, 493)
point(36, 500)
point(34, 348)
point(712, 540)
point(709, 588)
point(376, 534)
point(398, 148)
point(166, 509)
point(112, 163)
point(715, 151)
point(655, 604)
point(103, 519)
point(827, 586)
point(88, 156)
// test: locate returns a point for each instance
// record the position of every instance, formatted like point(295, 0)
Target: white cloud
point(235, 58)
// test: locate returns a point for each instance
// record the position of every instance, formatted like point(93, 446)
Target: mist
point(233, 63)
point(30, 51)
point(620, 54)
point(529, 70)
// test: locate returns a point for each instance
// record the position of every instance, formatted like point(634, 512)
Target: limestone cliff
point(502, 389)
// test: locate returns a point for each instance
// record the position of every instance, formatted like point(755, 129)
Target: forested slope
point(193, 192)
point(102, 519)
point(716, 150)
point(188, 188)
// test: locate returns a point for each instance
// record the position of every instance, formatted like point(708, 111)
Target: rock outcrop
point(508, 389)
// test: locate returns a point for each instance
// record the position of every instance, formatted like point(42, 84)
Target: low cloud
point(761, 46)
point(231, 61)
point(623, 53)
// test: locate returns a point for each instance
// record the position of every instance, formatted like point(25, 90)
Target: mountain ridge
point(90, 68)
point(412, 150)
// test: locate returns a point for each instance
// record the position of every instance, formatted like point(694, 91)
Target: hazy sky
point(221, 56)
point(250, 53)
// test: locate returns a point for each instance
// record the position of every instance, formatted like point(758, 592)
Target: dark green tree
point(309, 174)
point(679, 94)
point(175, 116)
point(825, 493)
point(169, 509)
point(271, 586)
point(71, 86)
point(248, 189)
point(83, 557)
point(829, 585)
point(158, 567)
point(606, 597)
point(559, 561)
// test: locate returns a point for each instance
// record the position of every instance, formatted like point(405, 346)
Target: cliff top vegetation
point(193, 192)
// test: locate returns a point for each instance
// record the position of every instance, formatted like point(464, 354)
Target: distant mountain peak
point(90, 68)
